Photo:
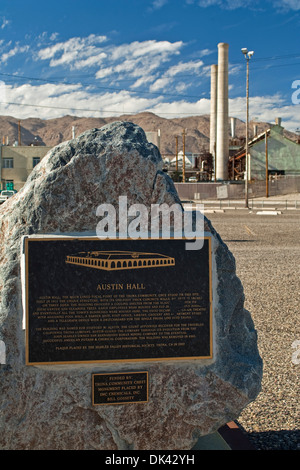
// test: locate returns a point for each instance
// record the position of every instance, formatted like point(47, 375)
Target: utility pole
point(19, 133)
point(183, 161)
point(176, 152)
point(267, 166)
point(247, 136)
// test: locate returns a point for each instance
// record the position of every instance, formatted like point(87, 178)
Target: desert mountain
point(54, 131)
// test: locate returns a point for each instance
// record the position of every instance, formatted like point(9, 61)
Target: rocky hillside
point(54, 131)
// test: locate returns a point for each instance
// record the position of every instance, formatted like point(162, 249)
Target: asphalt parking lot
point(267, 253)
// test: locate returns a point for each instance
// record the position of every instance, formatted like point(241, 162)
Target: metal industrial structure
point(269, 154)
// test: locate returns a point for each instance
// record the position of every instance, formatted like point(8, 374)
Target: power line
point(237, 110)
point(21, 77)
point(94, 110)
point(47, 81)
point(62, 107)
point(279, 57)
point(64, 82)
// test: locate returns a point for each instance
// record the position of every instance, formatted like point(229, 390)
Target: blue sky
point(106, 58)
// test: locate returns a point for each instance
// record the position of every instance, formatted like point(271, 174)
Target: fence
point(236, 190)
point(257, 204)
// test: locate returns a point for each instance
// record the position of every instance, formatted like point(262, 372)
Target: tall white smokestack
point(222, 153)
point(213, 110)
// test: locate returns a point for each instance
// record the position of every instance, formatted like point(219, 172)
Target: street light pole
point(247, 135)
point(248, 56)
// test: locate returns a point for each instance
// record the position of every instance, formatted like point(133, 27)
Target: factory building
point(271, 154)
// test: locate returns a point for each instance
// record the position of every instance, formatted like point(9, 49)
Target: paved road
point(267, 252)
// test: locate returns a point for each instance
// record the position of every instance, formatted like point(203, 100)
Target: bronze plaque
point(92, 300)
point(119, 388)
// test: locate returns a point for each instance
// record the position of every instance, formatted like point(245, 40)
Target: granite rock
point(49, 407)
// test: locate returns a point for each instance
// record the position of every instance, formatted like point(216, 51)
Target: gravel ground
point(267, 253)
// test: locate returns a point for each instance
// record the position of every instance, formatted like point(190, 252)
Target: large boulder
point(50, 407)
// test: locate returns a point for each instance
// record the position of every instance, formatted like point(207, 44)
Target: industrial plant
point(238, 161)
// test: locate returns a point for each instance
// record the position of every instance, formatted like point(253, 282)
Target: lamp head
point(244, 50)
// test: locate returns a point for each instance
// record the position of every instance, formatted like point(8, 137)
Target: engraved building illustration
point(117, 260)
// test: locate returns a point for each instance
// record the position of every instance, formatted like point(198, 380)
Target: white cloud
point(4, 22)
point(181, 108)
point(279, 5)
point(104, 72)
point(150, 66)
point(205, 52)
point(53, 36)
point(142, 81)
point(209, 3)
point(287, 5)
point(226, 4)
point(55, 100)
point(134, 61)
point(91, 60)
point(157, 4)
point(266, 109)
point(76, 52)
point(150, 48)
point(168, 77)
point(139, 63)
point(184, 67)
point(181, 87)
point(12, 52)
point(160, 84)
